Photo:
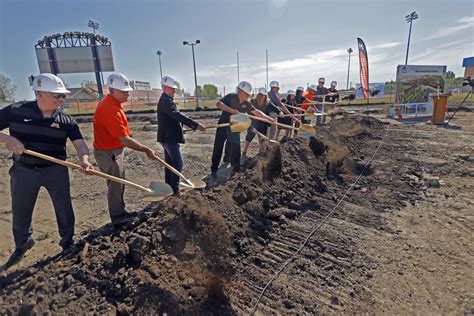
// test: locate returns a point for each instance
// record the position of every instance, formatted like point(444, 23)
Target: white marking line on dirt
point(277, 274)
point(453, 132)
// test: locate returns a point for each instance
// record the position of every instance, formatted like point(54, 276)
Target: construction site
point(390, 206)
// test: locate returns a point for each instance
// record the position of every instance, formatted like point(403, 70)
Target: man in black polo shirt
point(170, 133)
point(40, 126)
point(232, 103)
point(334, 97)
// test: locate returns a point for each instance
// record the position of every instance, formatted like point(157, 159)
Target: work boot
point(123, 219)
point(17, 255)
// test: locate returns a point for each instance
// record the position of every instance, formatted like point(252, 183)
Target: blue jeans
point(319, 119)
point(174, 158)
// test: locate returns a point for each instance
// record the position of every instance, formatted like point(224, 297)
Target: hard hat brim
point(249, 93)
point(171, 86)
point(124, 89)
point(59, 90)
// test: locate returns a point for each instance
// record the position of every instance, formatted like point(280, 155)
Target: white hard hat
point(169, 82)
point(313, 87)
point(291, 92)
point(333, 83)
point(49, 83)
point(300, 88)
point(322, 79)
point(119, 82)
point(262, 91)
point(274, 84)
point(245, 87)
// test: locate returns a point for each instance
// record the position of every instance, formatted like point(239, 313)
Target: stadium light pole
point(93, 25)
point(410, 17)
point(159, 53)
point(194, 64)
point(349, 50)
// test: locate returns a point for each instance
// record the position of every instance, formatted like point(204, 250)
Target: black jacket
point(170, 120)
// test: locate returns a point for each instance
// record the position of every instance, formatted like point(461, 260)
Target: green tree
point(210, 91)
point(450, 75)
point(7, 90)
point(85, 83)
point(198, 91)
point(179, 90)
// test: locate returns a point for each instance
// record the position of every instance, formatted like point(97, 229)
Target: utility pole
point(266, 61)
point(238, 68)
point(194, 65)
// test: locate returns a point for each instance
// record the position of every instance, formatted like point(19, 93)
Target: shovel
point(157, 191)
point(238, 123)
point(193, 183)
point(305, 130)
point(264, 137)
point(308, 112)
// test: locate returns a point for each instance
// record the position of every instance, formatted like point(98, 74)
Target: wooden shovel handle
point(173, 170)
point(273, 123)
point(94, 172)
point(260, 134)
point(210, 126)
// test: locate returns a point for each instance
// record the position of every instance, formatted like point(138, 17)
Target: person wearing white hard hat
point(111, 136)
point(289, 100)
point(321, 93)
point(41, 126)
point(299, 100)
point(232, 103)
point(275, 100)
point(170, 132)
point(260, 102)
point(333, 93)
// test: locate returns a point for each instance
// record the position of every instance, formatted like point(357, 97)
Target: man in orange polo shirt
point(308, 97)
point(111, 136)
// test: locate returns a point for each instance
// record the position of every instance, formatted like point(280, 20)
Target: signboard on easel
point(416, 82)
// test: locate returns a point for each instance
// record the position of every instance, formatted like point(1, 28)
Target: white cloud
point(465, 23)
point(331, 64)
point(466, 19)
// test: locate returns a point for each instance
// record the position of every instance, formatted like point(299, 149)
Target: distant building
point(5, 103)
point(468, 63)
point(87, 97)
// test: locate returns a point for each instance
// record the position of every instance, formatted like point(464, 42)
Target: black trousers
point(224, 135)
point(25, 184)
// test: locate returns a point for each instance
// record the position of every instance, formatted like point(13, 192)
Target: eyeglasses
point(58, 96)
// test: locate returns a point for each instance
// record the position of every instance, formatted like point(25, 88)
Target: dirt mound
point(211, 251)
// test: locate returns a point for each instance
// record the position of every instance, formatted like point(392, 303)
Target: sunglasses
point(58, 96)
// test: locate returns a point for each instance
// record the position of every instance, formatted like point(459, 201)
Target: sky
point(305, 39)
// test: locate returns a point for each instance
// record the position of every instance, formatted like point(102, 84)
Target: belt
point(29, 166)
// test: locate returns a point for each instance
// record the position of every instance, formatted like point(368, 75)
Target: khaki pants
point(112, 162)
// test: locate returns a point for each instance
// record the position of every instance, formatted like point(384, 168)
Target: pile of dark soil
point(212, 251)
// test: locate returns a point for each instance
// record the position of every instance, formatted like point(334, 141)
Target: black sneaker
point(17, 255)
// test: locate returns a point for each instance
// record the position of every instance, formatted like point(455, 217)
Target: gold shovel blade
point(306, 131)
point(239, 123)
point(194, 183)
point(160, 191)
